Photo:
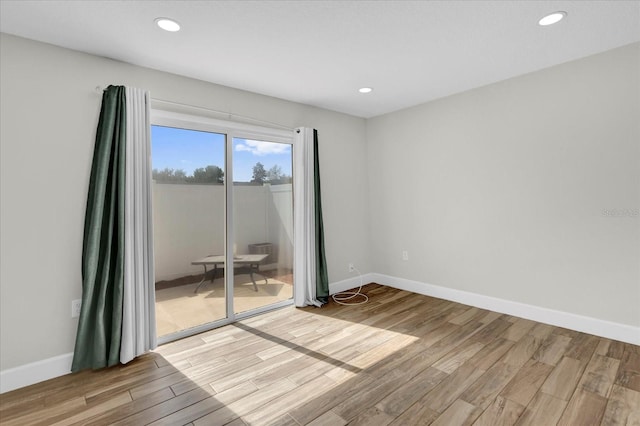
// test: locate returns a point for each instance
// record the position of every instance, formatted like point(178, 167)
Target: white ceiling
point(320, 52)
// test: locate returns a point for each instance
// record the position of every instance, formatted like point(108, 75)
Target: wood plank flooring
point(401, 359)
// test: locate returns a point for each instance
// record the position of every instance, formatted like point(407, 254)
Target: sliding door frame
point(231, 130)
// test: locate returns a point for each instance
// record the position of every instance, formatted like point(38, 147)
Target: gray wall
point(502, 190)
point(498, 191)
point(49, 112)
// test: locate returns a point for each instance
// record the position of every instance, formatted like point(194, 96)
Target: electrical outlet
point(405, 255)
point(351, 267)
point(75, 308)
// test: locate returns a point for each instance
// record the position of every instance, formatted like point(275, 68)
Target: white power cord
point(343, 296)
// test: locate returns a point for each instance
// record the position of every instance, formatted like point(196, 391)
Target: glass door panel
point(262, 224)
point(189, 228)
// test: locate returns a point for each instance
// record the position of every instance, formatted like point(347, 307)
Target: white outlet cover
point(76, 305)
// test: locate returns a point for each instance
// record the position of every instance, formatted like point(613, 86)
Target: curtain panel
point(310, 265)
point(100, 322)
point(138, 314)
point(117, 318)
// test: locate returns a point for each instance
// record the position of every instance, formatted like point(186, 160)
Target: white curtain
point(138, 322)
point(304, 221)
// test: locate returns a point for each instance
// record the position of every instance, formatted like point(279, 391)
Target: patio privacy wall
point(189, 224)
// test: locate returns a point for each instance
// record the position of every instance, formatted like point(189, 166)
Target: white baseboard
point(39, 371)
point(35, 372)
point(597, 327)
point(46, 369)
point(350, 283)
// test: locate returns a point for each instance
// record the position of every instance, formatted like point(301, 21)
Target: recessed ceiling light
point(168, 24)
point(365, 90)
point(552, 18)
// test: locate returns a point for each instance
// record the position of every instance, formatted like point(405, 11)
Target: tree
point(259, 173)
point(180, 175)
point(209, 174)
point(283, 179)
point(274, 174)
point(169, 175)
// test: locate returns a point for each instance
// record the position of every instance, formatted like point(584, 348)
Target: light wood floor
point(401, 359)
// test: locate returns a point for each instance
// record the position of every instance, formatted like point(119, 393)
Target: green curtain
point(322, 278)
point(100, 323)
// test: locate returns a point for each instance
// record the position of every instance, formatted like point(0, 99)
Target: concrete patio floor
point(179, 307)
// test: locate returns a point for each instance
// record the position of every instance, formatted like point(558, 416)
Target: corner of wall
point(584, 324)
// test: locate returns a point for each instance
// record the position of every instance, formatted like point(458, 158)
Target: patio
point(189, 227)
point(178, 307)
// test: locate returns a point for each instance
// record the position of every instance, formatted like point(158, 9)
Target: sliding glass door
point(263, 223)
point(188, 227)
point(223, 222)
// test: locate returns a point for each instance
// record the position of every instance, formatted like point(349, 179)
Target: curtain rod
point(100, 89)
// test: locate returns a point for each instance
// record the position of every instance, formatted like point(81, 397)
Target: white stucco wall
point(189, 224)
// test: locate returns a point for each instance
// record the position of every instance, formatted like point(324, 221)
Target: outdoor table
point(242, 263)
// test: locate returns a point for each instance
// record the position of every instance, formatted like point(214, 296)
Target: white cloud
point(261, 148)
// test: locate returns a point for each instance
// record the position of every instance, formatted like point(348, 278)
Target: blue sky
point(190, 149)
